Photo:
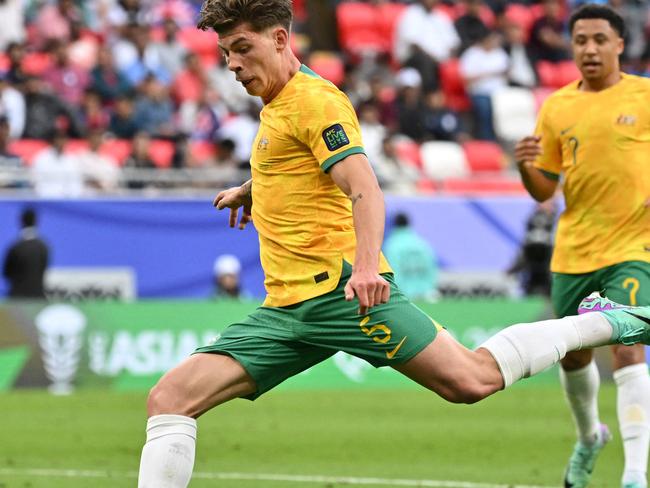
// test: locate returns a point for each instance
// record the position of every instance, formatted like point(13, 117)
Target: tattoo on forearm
point(356, 198)
point(248, 187)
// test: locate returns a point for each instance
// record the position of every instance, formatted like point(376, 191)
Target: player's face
point(596, 48)
point(254, 58)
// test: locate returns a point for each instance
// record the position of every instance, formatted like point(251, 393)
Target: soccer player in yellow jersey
point(596, 133)
point(320, 217)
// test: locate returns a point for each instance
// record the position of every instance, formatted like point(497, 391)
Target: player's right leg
point(199, 383)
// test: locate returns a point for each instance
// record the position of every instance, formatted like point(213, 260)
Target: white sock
point(523, 350)
point(168, 455)
point(581, 392)
point(633, 407)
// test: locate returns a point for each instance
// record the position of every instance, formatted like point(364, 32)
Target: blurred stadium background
point(151, 126)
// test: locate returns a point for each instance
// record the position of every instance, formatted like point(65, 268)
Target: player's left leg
point(629, 283)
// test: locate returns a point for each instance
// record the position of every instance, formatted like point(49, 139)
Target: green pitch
point(519, 437)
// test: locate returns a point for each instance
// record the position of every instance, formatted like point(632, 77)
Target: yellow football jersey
point(600, 142)
point(303, 219)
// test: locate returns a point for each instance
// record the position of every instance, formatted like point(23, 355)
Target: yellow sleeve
point(332, 130)
point(550, 161)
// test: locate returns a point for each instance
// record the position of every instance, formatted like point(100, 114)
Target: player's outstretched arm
point(233, 198)
point(540, 187)
point(355, 177)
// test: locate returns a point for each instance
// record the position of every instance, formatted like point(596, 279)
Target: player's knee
point(628, 355)
point(164, 399)
point(465, 390)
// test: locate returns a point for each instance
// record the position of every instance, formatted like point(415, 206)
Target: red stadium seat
point(409, 152)
point(389, 15)
point(485, 14)
point(27, 148)
point(483, 186)
point(36, 63)
point(522, 16)
point(453, 86)
point(118, 149)
point(328, 65)
point(4, 62)
point(203, 43)
point(541, 93)
point(203, 151)
point(557, 75)
point(161, 153)
point(426, 186)
point(484, 156)
point(358, 28)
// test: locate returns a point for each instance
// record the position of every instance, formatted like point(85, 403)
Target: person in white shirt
point(425, 37)
point(12, 106)
point(56, 174)
point(484, 66)
point(100, 171)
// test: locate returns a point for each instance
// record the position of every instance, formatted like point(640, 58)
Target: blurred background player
point(26, 260)
point(226, 277)
point(413, 260)
point(596, 132)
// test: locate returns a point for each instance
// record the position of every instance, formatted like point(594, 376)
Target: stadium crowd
point(116, 95)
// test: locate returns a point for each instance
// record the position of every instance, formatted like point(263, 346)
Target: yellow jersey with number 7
point(599, 143)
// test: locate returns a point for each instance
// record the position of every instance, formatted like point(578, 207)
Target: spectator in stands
point(154, 110)
point(107, 80)
point(548, 41)
point(227, 268)
point(92, 114)
point(393, 173)
point(635, 15)
point(83, 47)
point(121, 13)
point(64, 79)
point(183, 157)
point(534, 259)
point(242, 129)
point(54, 19)
point(135, 57)
point(45, 113)
point(123, 124)
point(26, 260)
point(100, 171)
point(169, 50)
point(484, 67)
point(372, 130)
point(521, 71)
point(425, 37)
point(12, 107)
point(191, 82)
point(139, 160)
point(232, 92)
point(439, 121)
point(12, 22)
point(199, 118)
point(16, 74)
point(413, 260)
point(10, 163)
point(409, 104)
point(55, 173)
point(470, 25)
point(382, 94)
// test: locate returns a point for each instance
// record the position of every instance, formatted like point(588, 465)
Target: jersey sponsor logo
point(391, 354)
point(629, 120)
point(335, 137)
point(647, 247)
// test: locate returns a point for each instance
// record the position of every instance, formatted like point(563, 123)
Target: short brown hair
point(224, 15)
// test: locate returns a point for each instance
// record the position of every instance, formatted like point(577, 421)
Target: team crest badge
point(263, 144)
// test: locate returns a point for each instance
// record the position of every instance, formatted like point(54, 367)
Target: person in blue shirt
point(413, 260)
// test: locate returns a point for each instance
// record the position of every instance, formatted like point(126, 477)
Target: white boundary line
point(345, 480)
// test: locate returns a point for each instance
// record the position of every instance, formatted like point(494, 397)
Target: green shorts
point(627, 283)
point(275, 343)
